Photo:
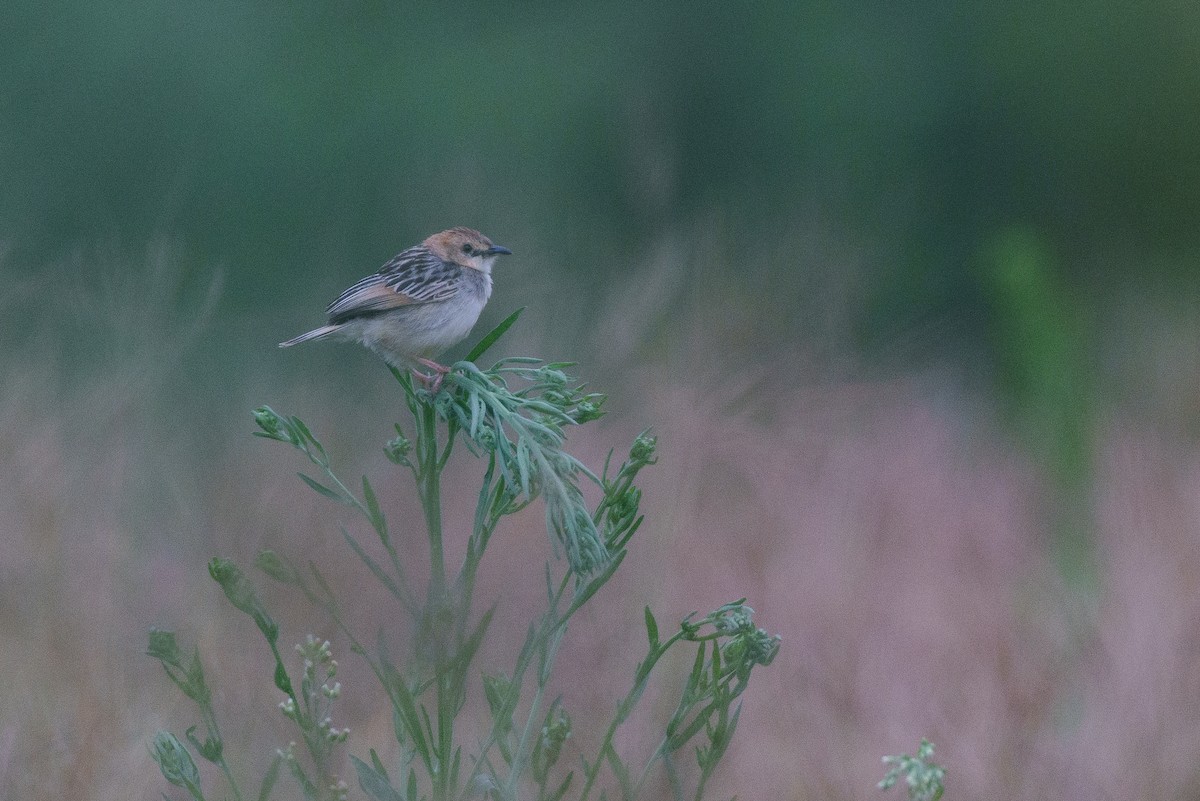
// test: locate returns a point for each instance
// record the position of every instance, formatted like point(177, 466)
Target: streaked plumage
point(423, 301)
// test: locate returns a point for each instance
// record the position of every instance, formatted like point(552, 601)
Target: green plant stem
point(432, 461)
point(523, 742)
point(431, 501)
point(210, 723)
point(549, 625)
point(659, 753)
point(329, 604)
point(520, 433)
point(480, 534)
point(445, 746)
point(624, 709)
point(401, 592)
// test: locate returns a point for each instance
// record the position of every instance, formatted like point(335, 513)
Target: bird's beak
point(498, 250)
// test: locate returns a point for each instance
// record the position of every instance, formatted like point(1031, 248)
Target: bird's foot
point(432, 381)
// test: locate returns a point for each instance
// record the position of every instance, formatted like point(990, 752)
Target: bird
point(421, 302)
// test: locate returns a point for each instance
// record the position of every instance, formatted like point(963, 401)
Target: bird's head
point(465, 247)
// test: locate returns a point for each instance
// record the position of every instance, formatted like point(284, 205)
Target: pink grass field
point(887, 529)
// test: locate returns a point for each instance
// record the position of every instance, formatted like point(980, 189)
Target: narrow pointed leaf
point(374, 782)
point(467, 651)
point(268, 782)
point(376, 514)
point(493, 336)
point(374, 567)
point(651, 628)
point(322, 489)
point(561, 790)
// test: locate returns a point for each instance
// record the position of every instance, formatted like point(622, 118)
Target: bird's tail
point(316, 333)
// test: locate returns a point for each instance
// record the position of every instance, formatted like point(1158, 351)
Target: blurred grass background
point(909, 294)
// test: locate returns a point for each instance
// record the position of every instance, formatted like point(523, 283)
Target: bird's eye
point(466, 247)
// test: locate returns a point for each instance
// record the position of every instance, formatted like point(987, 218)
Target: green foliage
point(922, 775)
point(172, 756)
point(513, 417)
point(729, 647)
point(1040, 331)
point(309, 709)
point(176, 763)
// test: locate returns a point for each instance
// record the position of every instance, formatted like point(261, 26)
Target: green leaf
point(275, 566)
point(176, 763)
point(316, 451)
point(376, 514)
point(374, 567)
point(405, 705)
point(374, 782)
point(322, 489)
point(397, 448)
point(466, 651)
point(696, 678)
point(241, 594)
point(272, 425)
point(620, 770)
point(493, 336)
point(210, 749)
point(282, 681)
point(561, 790)
point(583, 594)
point(162, 646)
point(454, 766)
point(694, 726)
point(398, 727)
point(495, 690)
point(268, 782)
point(651, 628)
point(430, 736)
point(196, 688)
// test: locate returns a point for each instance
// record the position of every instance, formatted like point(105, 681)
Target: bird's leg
point(433, 381)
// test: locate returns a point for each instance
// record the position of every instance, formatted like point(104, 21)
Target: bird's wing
point(415, 276)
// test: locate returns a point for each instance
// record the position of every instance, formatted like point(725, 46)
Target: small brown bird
point(420, 303)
